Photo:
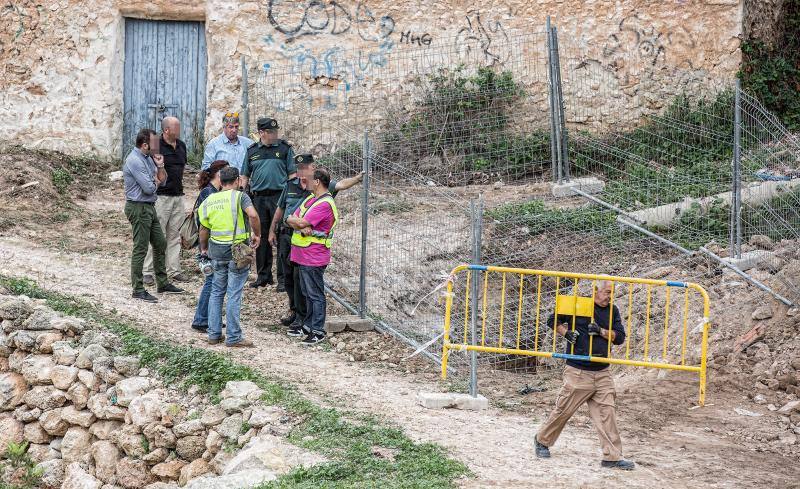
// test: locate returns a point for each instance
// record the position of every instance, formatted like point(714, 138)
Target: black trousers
point(265, 206)
point(284, 247)
point(291, 276)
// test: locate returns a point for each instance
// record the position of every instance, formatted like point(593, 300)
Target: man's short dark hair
point(323, 176)
point(143, 136)
point(228, 175)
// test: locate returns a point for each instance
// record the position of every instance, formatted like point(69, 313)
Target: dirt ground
point(83, 248)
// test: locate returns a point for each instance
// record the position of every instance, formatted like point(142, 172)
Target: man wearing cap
point(280, 233)
point(228, 146)
point(267, 165)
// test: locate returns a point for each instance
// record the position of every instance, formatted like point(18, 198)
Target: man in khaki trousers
point(169, 206)
point(588, 382)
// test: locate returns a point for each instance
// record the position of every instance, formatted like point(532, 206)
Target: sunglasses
point(231, 114)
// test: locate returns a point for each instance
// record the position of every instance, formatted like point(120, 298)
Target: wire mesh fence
point(664, 172)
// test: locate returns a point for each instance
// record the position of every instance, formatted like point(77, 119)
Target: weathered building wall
point(62, 63)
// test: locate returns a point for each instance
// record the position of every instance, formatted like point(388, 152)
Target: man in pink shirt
point(313, 224)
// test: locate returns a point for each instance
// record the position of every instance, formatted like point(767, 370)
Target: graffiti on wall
point(639, 48)
point(322, 77)
point(484, 38)
point(317, 17)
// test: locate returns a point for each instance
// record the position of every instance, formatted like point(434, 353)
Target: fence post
point(245, 99)
point(736, 198)
point(362, 280)
point(477, 232)
point(555, 156)
point(564, 166)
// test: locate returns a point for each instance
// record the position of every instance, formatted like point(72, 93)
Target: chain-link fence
point(580, 168)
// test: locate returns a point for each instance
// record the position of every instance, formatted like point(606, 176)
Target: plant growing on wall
point(772, 73)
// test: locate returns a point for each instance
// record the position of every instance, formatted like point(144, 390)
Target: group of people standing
point(253, 195)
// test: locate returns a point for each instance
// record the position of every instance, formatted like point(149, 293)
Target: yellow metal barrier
point(569, 303)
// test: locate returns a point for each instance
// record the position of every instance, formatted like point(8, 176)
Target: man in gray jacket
point(143, 172)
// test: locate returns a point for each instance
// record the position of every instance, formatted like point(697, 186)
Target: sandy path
point(495, 444)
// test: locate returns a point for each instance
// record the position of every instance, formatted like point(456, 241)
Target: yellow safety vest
point(218, 212)
point(305, 241)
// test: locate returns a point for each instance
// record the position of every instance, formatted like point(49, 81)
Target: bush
point(466, 118)
point(772, 73)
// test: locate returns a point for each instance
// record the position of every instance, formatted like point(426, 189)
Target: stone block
point(436, 400)
point(750, 259)
point(337, 324)
point(468, 403)
point(590, 185)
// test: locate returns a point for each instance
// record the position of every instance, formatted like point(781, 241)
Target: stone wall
point(62, 64)
point(93, 417)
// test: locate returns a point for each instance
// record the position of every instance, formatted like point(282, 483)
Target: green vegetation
point(538, 219)
point(17, 469)
point(778, 218)
point(466, 118)
point(62, 179)
point(349, 442)
point(772, 73)
point(685, 151)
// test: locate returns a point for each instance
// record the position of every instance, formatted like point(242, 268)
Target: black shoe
point(296, 332)
point(200, 328)
point(541, 450)
point(169, 289)
point(257, 283)
point(280, 288)
point(288, 320)
point(269, 281)
point(144, 296)
point(313, 339)
point(618, 464)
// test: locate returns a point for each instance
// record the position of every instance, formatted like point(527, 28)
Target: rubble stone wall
point(92, 416)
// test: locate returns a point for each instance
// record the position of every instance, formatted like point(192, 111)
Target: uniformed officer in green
point(280, 234)
point(268, 164)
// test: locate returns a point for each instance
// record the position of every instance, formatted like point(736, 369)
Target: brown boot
point(217, 341)
point(242, 344)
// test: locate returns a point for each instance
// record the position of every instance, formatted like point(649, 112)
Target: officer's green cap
point(266, 123)
point(303, 159)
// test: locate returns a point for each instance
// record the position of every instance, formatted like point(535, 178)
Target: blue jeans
point(201, 313)
point(227, 279)
point(312, 284)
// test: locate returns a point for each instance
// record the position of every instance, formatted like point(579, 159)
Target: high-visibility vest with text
point(218, 212)
point(305, 241)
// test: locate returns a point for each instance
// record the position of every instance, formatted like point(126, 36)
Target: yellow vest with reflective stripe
point(217, 213)
point(305, 241)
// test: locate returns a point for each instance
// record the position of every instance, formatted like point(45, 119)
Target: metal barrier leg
point(703, 364)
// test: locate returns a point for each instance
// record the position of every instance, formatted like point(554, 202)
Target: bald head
point(602, 293)
point(171, 128)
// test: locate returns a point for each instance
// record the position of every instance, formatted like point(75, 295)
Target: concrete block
point(338, 324)
point(358, 324)
point(750, 259)
point(436, 400)
point(444, 400)
point(590, 185)
point(469, 403)
point(335, 325)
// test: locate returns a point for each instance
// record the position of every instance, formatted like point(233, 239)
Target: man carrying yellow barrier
point(585, 381)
